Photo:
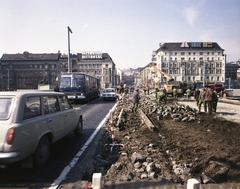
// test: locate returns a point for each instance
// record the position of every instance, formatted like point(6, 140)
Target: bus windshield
point(72, 81)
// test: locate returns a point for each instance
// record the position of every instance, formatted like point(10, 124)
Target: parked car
point(33, 120)
point(109, 94)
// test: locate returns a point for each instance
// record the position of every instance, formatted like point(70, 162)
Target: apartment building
point(188, 62)
point(26, 70)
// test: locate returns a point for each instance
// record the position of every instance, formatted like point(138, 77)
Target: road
point(63, 152)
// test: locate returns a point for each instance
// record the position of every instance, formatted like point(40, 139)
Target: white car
point(33, 120)
point(109, 94)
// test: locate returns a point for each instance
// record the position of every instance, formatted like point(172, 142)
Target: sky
point(128, 30)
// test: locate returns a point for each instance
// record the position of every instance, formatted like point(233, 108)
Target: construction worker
point(188, 93)
point(135, 99)
point(196, 95)
point(175, 95)
point(208, 99)
point(161, 96)
point(202, 100)
point(214, 100)
point(156, 91)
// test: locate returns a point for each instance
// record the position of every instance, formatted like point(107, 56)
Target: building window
point(175, 53)
point(200, 53)
point(194, 53)
point(189, 53)
point(212, 53)
point(182, 53)
point(176, 59)
point(189, 58)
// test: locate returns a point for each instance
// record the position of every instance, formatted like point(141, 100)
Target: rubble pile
point(184, 144)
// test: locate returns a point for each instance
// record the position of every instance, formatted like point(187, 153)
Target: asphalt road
point(62, 153)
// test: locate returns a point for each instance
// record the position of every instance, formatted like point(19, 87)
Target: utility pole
point(69, 66)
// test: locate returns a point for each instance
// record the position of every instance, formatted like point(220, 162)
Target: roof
point(186, 46)
point(29, 56)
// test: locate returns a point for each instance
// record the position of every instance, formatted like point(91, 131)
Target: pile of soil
point(206, 148)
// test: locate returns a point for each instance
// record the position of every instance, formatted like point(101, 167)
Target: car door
point(54, 116)
point(70, 117)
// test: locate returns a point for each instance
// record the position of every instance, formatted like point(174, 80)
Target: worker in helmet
point(161, 97)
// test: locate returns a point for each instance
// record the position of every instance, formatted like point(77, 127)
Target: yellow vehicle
point(170, 84)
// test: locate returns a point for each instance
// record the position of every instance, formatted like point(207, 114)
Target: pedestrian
point(135, 99)
point(145, 90)
point(214, 101)
point(161, 96)
point(196, 95)
point(202, 100)
point(175, 95)
point(208, 99)
point(148, 90)
point(188, 93)
point(56, 88)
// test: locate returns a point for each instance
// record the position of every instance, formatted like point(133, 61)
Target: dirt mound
point(205, 147)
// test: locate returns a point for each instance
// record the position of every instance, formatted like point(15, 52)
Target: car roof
point(28, 92)
point(109, 89)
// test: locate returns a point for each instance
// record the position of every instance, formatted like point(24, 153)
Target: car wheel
point(42, 152)
point(78, 130)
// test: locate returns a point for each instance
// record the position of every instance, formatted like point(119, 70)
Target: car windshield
point(108, 90)
point(5, 104)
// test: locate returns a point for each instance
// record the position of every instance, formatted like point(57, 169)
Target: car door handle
point(49, 120)
point(66, 115)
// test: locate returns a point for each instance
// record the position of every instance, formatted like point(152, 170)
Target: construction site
point(166, 143)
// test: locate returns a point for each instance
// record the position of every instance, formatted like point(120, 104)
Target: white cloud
point(191, 15)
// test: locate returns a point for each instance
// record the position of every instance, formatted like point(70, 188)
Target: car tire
point(78, 130)
point(42, 152)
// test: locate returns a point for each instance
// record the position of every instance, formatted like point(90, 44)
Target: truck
point(170, 84)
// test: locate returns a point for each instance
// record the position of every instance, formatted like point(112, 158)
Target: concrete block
point(97, 181)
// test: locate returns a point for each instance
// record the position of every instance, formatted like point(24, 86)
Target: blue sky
point(128, 30)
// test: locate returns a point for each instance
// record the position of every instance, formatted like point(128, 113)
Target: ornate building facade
point(191, 61)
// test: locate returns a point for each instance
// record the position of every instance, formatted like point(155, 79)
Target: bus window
point(65, 81)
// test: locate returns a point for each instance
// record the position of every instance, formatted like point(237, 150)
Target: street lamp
point(69, 66)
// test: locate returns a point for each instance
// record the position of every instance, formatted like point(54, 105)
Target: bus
point(79, 86)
